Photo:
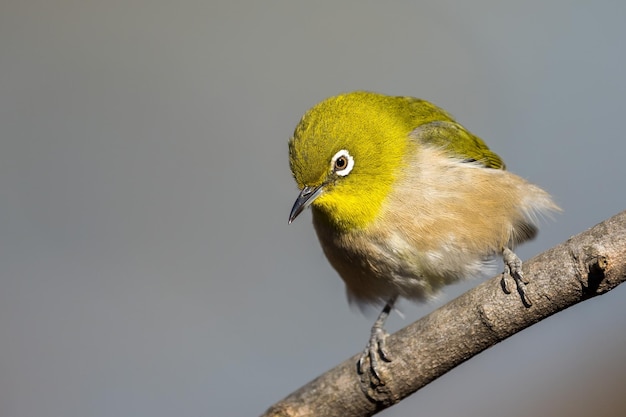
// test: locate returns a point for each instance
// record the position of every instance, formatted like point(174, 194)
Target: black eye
point(341, 163)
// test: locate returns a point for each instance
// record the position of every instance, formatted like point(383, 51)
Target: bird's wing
point(456, 140)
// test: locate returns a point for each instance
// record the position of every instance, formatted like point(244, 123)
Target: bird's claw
point(513, 268)
point(375, 350)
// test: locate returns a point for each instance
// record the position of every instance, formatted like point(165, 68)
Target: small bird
point(405, 200)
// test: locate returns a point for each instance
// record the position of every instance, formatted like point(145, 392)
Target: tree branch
point(582, 267)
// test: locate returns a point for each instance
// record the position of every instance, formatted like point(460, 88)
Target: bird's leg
point(376, 347)
point(513, 268)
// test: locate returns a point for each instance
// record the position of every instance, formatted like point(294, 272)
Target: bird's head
point(345, 155)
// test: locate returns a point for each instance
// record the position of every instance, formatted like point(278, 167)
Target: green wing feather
point(436, 127)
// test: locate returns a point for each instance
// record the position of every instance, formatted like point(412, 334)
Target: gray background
point(146, 265)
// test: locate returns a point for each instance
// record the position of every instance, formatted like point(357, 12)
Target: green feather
point(432, 125)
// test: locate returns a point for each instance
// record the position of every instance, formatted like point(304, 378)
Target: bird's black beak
point(306, 197)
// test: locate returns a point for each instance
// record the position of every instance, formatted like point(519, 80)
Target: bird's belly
point(376, 269)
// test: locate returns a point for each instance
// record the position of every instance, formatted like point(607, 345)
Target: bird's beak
point(306, 197)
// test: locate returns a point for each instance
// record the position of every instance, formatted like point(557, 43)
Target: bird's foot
point(376, 348)
point(375, 351)
point(513, 269)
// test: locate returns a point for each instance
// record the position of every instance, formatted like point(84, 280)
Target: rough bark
point(582, 267)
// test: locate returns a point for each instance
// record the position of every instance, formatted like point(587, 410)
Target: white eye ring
point(342, 163)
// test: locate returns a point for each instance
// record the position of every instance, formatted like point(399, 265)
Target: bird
point(405, 200)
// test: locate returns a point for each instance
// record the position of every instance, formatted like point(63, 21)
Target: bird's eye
point(342, 163)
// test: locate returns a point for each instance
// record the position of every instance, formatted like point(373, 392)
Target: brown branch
point(584, 266)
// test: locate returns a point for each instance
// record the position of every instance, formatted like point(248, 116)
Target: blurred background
point(146, 264)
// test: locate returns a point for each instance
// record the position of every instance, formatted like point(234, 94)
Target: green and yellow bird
point(405, 200)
